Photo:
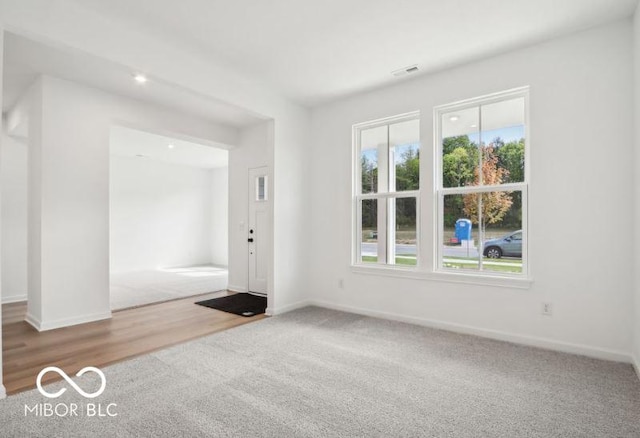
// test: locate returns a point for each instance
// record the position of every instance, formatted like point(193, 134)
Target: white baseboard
point(14, 299)
point(43, 326)
point(234, 288)
point(636, 365)
point(271, 311)
point(549, 344)
point(3, 391)
point(32, 320)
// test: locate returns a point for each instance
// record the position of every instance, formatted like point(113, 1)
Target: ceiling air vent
point(405, 70)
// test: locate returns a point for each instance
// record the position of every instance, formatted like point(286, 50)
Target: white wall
point(3, 392)
point(220, 216)
point(70, 195)
point(72, 25)
point(167, 59)
point(636, 125)
point(580, 199)
point(161, 214)
point(291, 211)
point(13, 221)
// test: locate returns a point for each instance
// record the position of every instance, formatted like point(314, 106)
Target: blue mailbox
point(463, 229)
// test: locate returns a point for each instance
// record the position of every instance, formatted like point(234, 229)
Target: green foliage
point(511, 157)
point(370, 214)
point(369, 175)
point(457, 168)
point(459, 159)
point(460, 168)
point(408, 171)
point(407, 178)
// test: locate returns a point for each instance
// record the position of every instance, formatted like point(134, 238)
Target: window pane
point(404, 156)
point(402, 211)
point(261, 183)
point(369, 245)
point(371, 141)
point(502, 248)
point(460, 140)
point(503, 141)
point(460, 235)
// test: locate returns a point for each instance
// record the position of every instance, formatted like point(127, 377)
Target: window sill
point(450, 277)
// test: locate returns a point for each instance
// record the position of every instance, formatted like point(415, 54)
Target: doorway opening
point(168, 218)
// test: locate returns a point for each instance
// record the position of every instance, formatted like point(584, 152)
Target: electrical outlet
point(547, 309)
point(341, 283)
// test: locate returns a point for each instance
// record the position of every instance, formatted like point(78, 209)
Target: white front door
point(258, 232)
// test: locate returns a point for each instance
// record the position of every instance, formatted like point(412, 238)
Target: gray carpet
point(322, 373)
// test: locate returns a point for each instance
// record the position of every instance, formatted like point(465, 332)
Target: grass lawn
point(485, 268)
point(487, 259)
point(502, 265)
point(399, 260)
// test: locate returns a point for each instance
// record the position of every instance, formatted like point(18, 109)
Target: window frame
point(387, 196)
point(440, 191)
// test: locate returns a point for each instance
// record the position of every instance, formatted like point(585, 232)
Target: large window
point(387, 184)
point(481, 185)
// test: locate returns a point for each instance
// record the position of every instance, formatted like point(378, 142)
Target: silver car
point(508, 246)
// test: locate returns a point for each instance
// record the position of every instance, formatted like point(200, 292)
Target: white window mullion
point(382, 230)
point(480, 232)
point(391, 231)
point(357, 252)
point(383, 187)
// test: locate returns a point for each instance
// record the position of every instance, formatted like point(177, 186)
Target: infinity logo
point(71, 382)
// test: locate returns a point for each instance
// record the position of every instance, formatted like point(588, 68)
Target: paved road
point(371, 249)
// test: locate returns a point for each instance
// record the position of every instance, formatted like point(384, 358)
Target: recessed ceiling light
point(140, 78)
point(170, 146)
point(454, 118)
point(474, 126)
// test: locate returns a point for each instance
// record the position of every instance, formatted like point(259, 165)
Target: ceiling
point(126, 142)
point(25, 60)
point(316, 51)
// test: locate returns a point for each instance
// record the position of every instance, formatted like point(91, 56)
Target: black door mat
point(243, 304)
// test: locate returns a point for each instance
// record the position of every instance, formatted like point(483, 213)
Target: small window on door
point(261, 188)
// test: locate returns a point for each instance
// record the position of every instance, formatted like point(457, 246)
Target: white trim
point(533, 341)
point(234, 288)
point(636, 364)
point(383, 194)
point(475, 278)
point(440, 191)
point(485, 99)
point(32, 320)
point(14, 299)
point(65, 322)
point(510, 187)
point(3, 392)
point(271, 311)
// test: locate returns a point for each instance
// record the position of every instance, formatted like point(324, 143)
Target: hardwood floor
point(130, 333)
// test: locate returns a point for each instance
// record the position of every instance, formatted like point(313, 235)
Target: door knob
point(250, 239)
